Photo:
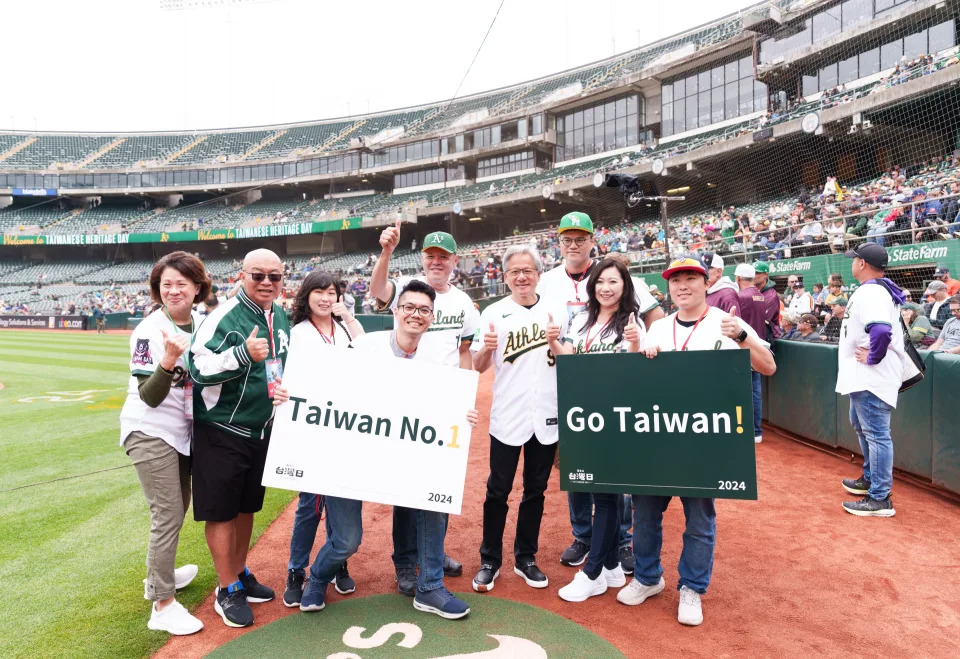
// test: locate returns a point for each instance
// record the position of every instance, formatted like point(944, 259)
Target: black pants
point(537, 463)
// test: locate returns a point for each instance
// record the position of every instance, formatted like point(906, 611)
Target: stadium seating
point(222, 147)
point(300, 140)
point(53, 272)
point(30, 217)
point(140, 150)
point(50, 150)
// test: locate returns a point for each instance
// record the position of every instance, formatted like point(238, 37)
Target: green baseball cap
point(761, 266)
point(576, 221)
point(441, 240)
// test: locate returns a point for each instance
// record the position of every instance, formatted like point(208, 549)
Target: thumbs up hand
point(257, 348)
point(173, 347)
point(553, 329)
point(730, 326)
point(390, 238)
point(631, 334)
point(490, 339)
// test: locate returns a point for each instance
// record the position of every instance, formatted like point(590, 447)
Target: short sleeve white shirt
point(306, 332)
point(869, 305)
point(669, 335)
point(167, 421)
point(454, 320)
point(562, 289)
point(594, 339)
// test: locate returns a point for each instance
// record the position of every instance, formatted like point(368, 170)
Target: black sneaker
point(407, 581)
point(856, 486)
point(483, 582)
point(626, 560)
point(575, 554)
point(531, 574)
point(294, 592)
point(256, 591)
point(233, 607)
point(343, 582)
point(451, 568)
point(868, 507)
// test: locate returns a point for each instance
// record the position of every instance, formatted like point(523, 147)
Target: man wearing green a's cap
point(455, 321)
point(766, 287)
point(567, 285)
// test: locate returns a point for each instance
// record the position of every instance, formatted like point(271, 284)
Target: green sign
point(265, 231)
point(678, 424)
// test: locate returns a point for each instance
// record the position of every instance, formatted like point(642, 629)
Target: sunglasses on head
point(258, 276)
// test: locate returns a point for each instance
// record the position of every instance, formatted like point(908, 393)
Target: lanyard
point(332, 339)
point(177, 330)
point(589, 340)
point(269, 315)
point(576, 282)
point(695, 326)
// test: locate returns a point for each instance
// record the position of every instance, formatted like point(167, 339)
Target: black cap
point(942, 270)
point(870, 252)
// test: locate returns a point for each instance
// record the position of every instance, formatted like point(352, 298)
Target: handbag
point(913, 366)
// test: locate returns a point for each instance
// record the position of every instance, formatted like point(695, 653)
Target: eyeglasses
point(410, 309)
point(566, 242)
point(526, 272)
point(259, 276)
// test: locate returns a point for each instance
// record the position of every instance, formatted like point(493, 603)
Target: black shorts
point(227, 471)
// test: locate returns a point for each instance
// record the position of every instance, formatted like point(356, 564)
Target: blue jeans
point(491, 287)
point(305, 524)
point(581, 518)
point(606, 526)
point(428, 529)
point(757, 404)
point(345, 531)
point(870, 418)
point(699, 537)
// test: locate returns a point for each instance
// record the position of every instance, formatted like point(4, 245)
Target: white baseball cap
point(745, 270)
point(713, 260)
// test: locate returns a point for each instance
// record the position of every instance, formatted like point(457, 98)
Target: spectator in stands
point(942, 273)
point(721, 292)
point(801, 302)
point(949, 340)
point(492, 276)
point(937, 310)
point(208, 305)
point(476, 274)
point(819, 294)
point(753, 311)
point(807, 329)
point(831, 330)
point(919, 329)
point(834, 292)
point(99, 317)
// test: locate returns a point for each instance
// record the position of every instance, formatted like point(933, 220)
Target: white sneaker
point(583, 587)
point(174, 619)
point(635, 593)
point(182, 576)
point(615, 578)
point(689, 611)
point(758, 439)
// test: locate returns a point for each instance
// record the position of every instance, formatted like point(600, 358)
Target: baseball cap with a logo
point(575, 221)
point(440, 240)
point(941, 271)
point(809, 318)
point(761, 266)
point(712, 260)
point(872, 253)
point(691, 263)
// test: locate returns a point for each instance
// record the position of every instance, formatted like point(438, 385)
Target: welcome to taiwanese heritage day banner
point(372, 428)
point(680, 424)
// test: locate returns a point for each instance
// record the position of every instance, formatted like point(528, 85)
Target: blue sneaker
point(314, 596)
point(441, 602)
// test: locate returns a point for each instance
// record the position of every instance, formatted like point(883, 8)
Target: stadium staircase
point(270, 140)
point(68, 216)
point(82, 164)
point(176, 154)
point(17, 148)
point(419, 125)
point(342, 135)
point(605, 76)
point(506, 106)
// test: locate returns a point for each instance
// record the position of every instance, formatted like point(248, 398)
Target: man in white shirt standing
point(801, 302)
point(455, 321)
point(870, 370)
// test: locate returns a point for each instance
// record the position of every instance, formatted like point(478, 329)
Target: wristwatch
point(742, 336)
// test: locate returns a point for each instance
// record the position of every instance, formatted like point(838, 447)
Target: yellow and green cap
point(575, 221)
point(441, 240)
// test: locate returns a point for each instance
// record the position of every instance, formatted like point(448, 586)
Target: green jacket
point(230, 389)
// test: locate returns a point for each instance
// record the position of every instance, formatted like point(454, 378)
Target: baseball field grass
point(73, 521)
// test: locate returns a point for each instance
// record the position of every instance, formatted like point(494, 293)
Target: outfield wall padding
point(800, 398)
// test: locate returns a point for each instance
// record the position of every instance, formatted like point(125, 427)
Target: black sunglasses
point(258, 276)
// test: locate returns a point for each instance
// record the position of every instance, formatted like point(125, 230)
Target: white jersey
point(384, 345)
point(870, 304)
point(454, 320)
point(168, 420)
point(595, 340)
point(560, 288)
point(306, 332)
point(525, 374)
point(669, 335)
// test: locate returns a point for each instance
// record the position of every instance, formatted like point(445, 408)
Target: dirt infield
point(794, 574)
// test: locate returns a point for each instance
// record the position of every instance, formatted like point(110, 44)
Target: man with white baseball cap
point(753, 310)
point(722, 293)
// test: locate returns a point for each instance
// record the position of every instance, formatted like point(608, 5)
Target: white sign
point(373, 428)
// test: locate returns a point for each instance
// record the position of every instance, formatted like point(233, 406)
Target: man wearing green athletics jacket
point(236, 365)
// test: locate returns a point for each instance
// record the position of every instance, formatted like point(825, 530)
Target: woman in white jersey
point(695, 326)
point(319, 316)
point(607, 325)
point(156, 427)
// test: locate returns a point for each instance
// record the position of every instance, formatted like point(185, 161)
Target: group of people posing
point(202, 396)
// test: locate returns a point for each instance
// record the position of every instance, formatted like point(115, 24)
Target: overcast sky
point(120, 65)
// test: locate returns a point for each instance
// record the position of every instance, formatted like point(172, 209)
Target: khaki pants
point(165, 479)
